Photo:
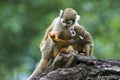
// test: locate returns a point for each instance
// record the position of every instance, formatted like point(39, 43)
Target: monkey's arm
point(55, 38)
point(88, 44)
point(88, 49)
point(47, 31)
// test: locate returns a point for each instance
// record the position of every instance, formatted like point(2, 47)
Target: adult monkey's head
point(68, 17)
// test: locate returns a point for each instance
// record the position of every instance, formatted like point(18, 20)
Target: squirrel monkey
point(56, 38)
point(83, 41)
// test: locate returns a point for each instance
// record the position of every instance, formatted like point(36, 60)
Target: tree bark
point(74, 66)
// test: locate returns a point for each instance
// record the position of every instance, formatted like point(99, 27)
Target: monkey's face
point(67, 22)
point(68, 17)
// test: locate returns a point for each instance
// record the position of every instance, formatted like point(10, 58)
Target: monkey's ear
point(61, 12)
point(77, 17)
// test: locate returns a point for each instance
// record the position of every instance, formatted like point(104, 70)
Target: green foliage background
point(23, 24)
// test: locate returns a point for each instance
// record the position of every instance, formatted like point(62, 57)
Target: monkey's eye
point(72, 33)
point(63, 21)
point(72, 29)
point(75, 14)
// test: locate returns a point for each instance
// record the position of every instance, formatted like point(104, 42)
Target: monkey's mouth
point(65, 25)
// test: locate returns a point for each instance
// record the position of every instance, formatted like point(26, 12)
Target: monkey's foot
point(82, 54)
point(78, 52)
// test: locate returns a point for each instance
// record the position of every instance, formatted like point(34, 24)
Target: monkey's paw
point(53, 35)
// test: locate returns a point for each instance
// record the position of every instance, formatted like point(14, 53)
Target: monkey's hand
point(54, 37)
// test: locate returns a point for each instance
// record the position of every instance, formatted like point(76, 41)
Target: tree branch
point(74, 66)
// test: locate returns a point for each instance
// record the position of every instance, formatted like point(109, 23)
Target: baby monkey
point(82, 40)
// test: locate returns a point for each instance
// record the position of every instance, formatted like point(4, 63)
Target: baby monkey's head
point(68, 17)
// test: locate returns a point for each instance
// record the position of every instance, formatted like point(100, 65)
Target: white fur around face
point(61, 12)
point(77, 17)
point(63, 24)
point(56, 24)
point(76, 20)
